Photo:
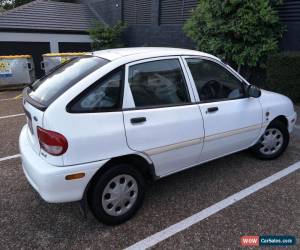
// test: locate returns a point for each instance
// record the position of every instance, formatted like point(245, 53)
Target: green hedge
point(283, 74)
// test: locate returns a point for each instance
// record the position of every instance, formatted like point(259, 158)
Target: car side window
point(104, 95)
point(213, 82)
point(158, 83)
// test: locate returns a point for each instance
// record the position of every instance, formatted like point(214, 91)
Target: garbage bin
point(16, 70)
point(52, 60)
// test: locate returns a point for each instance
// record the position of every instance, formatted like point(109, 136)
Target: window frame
point(128, 101)
point(93, 85)
point(244, 84)
point(43, 107)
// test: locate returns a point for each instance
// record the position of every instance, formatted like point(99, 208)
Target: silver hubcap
point(119, 195)
point(271, 141)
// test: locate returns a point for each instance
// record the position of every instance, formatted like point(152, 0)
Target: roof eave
point(21, 30)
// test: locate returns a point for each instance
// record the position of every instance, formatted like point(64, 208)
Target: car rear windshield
point(47, 89)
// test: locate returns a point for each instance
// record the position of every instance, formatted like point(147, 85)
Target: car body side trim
point(232, 132)
point(163, 149)
point(217, 136)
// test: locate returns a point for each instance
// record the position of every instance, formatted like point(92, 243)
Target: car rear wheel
point(117, 194)
point(273, 142)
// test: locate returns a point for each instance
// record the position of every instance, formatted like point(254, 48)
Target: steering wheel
point(211, 90)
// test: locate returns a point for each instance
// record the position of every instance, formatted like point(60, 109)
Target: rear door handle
point(138, 120)
point(212, 109)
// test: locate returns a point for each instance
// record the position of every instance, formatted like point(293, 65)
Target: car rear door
point(34, 118)
point(232, 121)
point(159, 115)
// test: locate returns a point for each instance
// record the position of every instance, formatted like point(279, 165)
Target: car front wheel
point(117, 194)
point(273, 142)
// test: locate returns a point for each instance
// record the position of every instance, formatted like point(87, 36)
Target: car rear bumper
point(292, 121)
point(48, 180)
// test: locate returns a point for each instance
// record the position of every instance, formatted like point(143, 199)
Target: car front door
point(232, 121)
point(160, 119)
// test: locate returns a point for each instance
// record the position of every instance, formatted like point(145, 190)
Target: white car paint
point(169, 135)
point(172, 139)
point(276, 105)
point(48, 180)
point(233, 128)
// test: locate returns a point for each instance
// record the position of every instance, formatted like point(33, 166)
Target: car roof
point(147, 52)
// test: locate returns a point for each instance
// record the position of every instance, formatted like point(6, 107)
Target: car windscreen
point(47, 89)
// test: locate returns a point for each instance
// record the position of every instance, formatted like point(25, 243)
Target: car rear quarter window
point(103, 95)
point(158, 83)
point(47, 89)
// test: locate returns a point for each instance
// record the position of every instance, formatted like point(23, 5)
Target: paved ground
point(27, 222)
point(9, 132)
point(272, 211)
point(9, 94)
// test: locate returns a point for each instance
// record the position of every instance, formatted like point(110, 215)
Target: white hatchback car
point(100, 126)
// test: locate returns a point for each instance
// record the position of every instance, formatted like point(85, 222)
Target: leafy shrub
point(243, 33)
point(283, 74)
point(106, 37)
point(7, 5)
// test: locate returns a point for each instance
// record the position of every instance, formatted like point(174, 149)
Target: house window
point(175, 11)
point(137, 11)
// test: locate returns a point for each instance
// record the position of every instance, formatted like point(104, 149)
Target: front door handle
point(212, 109)
point(138, 120)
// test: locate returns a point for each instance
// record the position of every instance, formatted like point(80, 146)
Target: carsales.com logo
point(250, 241)
point(267, 240)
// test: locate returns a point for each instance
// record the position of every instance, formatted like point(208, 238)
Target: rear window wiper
point(29, 85)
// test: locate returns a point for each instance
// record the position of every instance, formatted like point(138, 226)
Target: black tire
point(286, 137)
point(96, 194)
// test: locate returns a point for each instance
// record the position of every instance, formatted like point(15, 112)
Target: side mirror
point(253, 91)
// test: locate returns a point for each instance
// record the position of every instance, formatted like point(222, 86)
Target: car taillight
point(52, 142)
